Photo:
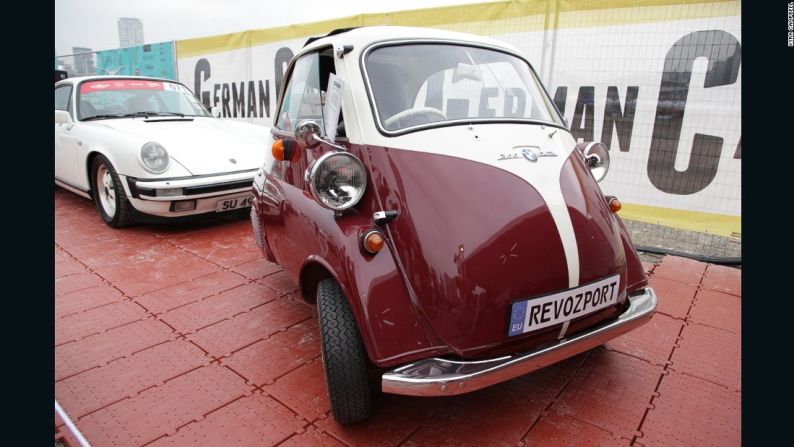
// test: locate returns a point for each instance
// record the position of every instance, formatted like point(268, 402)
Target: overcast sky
point(92, 23)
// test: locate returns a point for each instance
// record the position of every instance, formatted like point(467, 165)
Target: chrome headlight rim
point(602, 160)
point(148, 168)
point(312, 175)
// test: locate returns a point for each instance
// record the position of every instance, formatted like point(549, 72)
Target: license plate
point(539, 312)
point(233, 204)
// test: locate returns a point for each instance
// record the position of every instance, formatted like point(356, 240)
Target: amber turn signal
point(285, 150)
point(614, 204)
point(278, 149)
point(373, 242)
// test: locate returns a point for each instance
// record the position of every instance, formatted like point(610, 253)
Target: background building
point(83, 61)
point(130, 32)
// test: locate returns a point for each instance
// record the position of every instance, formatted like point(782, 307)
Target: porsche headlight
point(596, 155)
point(154, 158)
point(337, 180)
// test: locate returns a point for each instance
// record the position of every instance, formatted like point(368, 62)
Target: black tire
point(343, 356)
point(121, 214)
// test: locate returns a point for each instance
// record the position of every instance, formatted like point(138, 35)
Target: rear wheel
point(109, 195)
point(343, 356)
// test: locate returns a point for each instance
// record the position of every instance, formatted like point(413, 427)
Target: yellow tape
point(482, 18)
point(719, 224)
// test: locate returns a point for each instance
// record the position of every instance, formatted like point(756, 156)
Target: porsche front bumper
point(158, 197)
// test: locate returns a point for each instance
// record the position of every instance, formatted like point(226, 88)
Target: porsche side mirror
point(62, 117)
point(216, 112)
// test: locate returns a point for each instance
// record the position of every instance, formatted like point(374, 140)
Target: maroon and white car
point(425, 193)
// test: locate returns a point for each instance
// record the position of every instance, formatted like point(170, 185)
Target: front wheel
point(109, 195)
point(343, 355)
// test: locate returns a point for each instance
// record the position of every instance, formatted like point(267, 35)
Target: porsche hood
point(202, 145)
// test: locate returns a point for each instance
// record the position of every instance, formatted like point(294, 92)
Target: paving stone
point(73, 283)
point(94, 321)
point(281, 282)
point(610, 390)
point(487, 417)
point(311, 437)
point(654, 341)
point(687, 271)
point(98, 387)
point(711, 354)
point(196, 289)
point(393, 419)
point(717, 309)
point(254, 421)
point(100, 349)
point(194, 316)
point(674, 297)
point(161, 410)
point(78, 229)
point(61, 255)
point(693, 412)
point(541, 387)
point(264, 361)
point(222, 339)
point(123, 264)
point(257, 269)
point(68, 267)
point(561, 430)
point(303, 390)
point(85, 299)
point(228, 248)
point(723, 279)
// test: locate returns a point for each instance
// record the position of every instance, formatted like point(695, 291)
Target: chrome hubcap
point(106, 190)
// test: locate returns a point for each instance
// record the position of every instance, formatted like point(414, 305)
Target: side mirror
point(216, 112)
point(596, 157)
point(308, 133)
point(62, 117)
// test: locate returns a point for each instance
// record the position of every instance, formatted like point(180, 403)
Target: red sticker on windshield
point(120, 84)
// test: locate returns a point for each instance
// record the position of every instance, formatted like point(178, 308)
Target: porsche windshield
point(121, 98)
point(424, 84)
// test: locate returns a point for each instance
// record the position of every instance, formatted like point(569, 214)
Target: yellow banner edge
point(712, 223)
point(456, 14)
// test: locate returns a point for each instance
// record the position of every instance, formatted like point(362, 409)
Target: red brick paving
point(184, 335)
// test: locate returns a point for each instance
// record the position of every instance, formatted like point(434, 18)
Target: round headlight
point(154, 158)
point(337, 180)
point(596, 155)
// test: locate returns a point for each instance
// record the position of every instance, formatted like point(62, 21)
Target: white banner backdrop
point(661, 89)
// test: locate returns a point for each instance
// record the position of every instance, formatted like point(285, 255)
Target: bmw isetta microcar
point(425, 193)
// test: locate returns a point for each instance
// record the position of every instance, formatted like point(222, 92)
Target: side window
point(62, 95)
point(304, 96)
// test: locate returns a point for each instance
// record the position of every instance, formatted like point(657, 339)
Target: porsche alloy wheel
point(109, 195)
point(343, 355)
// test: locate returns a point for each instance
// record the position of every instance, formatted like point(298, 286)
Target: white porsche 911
point(146, 148)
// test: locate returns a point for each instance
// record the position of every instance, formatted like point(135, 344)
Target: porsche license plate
point(539, 312)
point(233, 204)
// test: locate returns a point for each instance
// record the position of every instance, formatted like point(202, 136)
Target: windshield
point(119, 98)
point(424, 84)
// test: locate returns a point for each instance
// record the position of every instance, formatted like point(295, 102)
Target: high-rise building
point(83, 61)
point(130, 32)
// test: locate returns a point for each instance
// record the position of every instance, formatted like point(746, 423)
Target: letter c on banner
point(724, 54)
point(202, 68)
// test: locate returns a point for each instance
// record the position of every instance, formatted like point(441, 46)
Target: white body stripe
point(486, 143)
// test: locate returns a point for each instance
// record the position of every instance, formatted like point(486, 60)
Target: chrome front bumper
point(443, 377)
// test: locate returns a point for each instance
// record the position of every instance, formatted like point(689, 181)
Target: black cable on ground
point(710, 259)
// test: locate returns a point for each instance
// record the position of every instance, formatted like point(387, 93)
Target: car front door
point(66, 142)
point(303, 99)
